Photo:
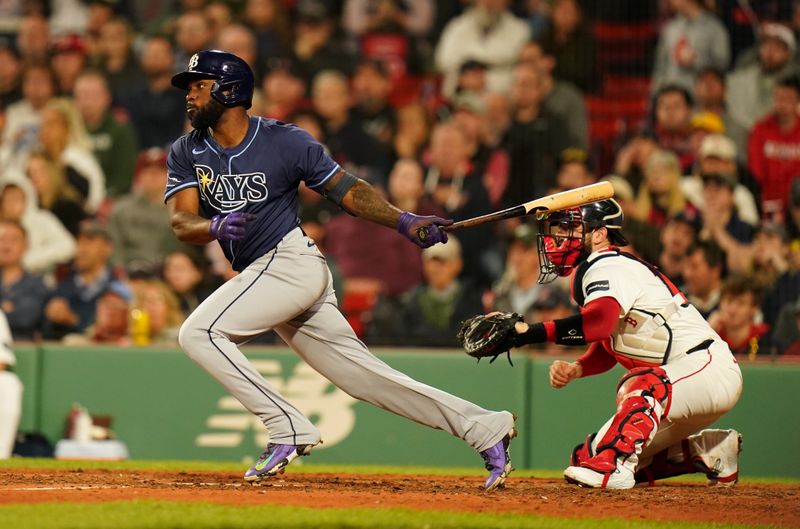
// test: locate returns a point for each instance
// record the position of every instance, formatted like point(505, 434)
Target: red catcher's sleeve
point(599, 318)
point(597, 359)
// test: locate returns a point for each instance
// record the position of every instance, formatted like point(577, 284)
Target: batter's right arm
point(363, 200)
point(187, 224)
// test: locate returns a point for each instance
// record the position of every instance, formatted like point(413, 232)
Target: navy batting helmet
point(233, 78)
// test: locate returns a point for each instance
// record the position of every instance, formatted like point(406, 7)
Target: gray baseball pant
point(289, 289)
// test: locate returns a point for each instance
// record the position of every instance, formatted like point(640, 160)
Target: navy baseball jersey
point(259, 176)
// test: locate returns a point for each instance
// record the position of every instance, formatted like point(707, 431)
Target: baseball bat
point(555, 202)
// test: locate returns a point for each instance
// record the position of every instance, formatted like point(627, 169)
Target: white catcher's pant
point(290, 290)
point(705, 385)
point(10, 411)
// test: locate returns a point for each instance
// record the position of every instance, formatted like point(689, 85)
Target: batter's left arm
point(361, 199)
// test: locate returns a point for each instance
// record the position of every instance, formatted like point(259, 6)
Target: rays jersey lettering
point(230, 192)
point(259, 176)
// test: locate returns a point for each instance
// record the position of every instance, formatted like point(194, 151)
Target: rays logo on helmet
point(230, 192)
point(193, 62)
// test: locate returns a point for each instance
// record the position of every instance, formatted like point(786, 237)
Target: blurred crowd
point(454, 108)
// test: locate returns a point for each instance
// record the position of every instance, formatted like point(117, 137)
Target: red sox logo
point(630, 321)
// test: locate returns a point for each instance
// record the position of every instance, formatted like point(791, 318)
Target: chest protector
point(641, 336)
point(645, 336)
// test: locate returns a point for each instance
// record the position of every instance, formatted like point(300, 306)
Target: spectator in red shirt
point(774, 147)
point(736, 321)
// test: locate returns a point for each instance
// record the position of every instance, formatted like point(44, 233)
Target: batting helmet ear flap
point(230, 94)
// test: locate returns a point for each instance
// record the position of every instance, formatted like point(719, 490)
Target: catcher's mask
point(562, 236)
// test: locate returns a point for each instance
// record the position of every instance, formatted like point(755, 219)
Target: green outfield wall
point(166, 407)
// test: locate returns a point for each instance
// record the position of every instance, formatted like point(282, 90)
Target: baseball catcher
point(681, 376)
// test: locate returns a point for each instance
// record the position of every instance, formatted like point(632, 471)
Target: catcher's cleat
point(718, 451)
point(274, 459)
point(620, 478)
point(498, 462)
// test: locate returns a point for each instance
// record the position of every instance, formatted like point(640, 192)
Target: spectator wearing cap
point(10, 74)
point(561, 97)
point(430, 313)
point(72, 307)
point(370, 88)
point(692, 40)
point(314, 48)
point(569, 40)
point(157, 111)
point(774, 147)
point(709, 94)
point(139, 222)
point(750, 88)
point(717, 155)
point(22, 294)
point(24, 118)
point(113, 142)
point(471, 78)
point(114, 57)
point(518, 288)
point(737, 320)
point(68, 58)
point(112, 316)
point(703, 270)
point(573, 169)
point(487, 32)
point(49, 242)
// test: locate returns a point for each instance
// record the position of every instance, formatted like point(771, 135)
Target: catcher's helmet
point(561, 248)
point(233, 78)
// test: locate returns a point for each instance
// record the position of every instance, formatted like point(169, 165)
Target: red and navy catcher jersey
point(259, 176)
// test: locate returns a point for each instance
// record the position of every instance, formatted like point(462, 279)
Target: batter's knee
point(192, 337)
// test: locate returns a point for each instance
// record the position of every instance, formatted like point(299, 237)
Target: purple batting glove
point(230, 227)
point(422, 231)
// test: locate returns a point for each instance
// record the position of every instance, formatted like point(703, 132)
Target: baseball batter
point(681, 376)
point(234, 178)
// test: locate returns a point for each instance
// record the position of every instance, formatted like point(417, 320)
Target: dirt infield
point(746, 503)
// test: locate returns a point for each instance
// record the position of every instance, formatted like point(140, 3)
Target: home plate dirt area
point(756, 504)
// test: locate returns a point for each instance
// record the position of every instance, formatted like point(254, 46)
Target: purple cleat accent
point(274, 459)
point(498, 462)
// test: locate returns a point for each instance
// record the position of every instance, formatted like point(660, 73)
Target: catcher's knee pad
point(646, 381)
point(642, 395)
point(583, 451)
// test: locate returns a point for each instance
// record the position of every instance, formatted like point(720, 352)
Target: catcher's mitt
point(489, 335)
